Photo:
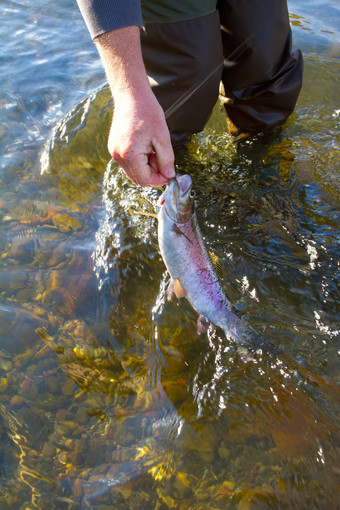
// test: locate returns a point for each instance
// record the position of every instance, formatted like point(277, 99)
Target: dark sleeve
point(104, 15)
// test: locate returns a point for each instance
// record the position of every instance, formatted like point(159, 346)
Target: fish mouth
point(175, 198)
point(182, 182)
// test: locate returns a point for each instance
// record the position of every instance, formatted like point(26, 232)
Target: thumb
point(165, 158)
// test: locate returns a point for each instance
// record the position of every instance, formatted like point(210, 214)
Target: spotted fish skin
point(188, 262)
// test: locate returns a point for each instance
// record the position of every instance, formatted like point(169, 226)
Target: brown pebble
point(3, 384)
point(78, 487)
point(224, 453)
point(28, 389)
point(53, 384)
point(49, 450)
point(17, 400)
point(83, 416)
point(68, 388)
point(6, 364)
point(61, 414)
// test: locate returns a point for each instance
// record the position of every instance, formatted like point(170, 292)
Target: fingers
point(141, 169)
point(145, 166)
point(150, 169)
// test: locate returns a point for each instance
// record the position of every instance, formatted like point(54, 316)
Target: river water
point(108, 397)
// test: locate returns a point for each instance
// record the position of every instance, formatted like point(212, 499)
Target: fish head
point(178, 199)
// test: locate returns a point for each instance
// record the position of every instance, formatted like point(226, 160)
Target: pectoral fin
point(144, 213)
point(177, 230)
point(175, 289)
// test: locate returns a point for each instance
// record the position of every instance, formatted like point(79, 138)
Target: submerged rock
point(66, 223)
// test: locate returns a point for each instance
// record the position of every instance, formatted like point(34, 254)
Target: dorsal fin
point(216, 262)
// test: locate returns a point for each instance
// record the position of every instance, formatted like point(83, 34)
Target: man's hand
point(139, 137)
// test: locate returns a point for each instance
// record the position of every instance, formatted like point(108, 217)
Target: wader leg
point(178, 58)
point(263, 84)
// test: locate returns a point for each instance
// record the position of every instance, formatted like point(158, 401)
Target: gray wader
point(245, 44)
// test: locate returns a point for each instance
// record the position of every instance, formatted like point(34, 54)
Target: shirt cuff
point(102, 16)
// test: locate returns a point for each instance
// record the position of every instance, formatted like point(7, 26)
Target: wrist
point(130, 88)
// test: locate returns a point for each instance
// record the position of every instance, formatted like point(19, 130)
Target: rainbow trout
point(187, 259)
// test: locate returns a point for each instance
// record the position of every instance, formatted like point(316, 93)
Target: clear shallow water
point(109, 398)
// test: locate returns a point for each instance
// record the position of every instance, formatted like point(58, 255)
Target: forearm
point(121, 55)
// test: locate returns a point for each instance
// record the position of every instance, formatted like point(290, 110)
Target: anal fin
point(179, 289)
point(202, 325)
point(175, 289)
